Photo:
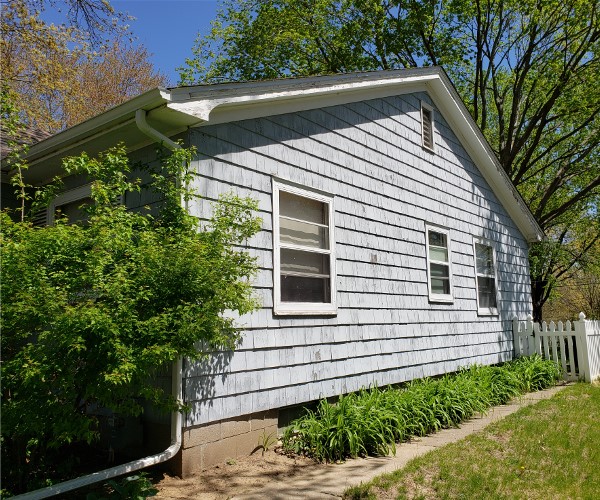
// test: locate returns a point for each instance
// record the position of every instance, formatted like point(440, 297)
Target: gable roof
point(174, 110)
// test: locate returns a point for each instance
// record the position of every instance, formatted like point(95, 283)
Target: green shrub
point(371, 421)
point(91, 312)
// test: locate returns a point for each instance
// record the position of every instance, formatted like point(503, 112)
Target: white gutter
point(108, 120)
point(135, 465)
point(176, 376)
point(142, 124)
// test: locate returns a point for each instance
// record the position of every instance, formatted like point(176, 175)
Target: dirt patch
point(241, 476)
point(420, 484)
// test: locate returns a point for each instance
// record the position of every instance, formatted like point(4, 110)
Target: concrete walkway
point(331, 481)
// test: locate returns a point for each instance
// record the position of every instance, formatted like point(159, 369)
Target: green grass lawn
point(548, 450)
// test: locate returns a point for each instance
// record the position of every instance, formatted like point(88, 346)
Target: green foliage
point(91, 311)
point(370, 422)
point(137, 487)
point(266, 440)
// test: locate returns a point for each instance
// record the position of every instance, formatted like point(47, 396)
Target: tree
point(579, 290)
point(121, 71)
point(63, 74)
point(526, 69)
point(91, 311)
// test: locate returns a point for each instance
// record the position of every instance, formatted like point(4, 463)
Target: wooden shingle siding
point(368, 155)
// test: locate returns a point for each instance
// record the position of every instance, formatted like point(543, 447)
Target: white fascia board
point(295, 94)
point(109, 120)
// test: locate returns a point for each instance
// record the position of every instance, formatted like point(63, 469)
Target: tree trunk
point(538, 297)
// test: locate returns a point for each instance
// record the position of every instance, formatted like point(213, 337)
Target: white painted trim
point(436, 297)
point(99, 124)
point(454, 111)
point(486, 311)
point(302, 308)
point(201, 101)
point(427, 107)
point(233, 111)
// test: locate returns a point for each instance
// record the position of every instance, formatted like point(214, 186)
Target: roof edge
point(112, 118)
point(491, 169)
point(197, 104)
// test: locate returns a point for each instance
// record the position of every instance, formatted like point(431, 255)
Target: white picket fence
point(576, 345)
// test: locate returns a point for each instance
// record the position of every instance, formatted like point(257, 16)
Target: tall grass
point(370, 422)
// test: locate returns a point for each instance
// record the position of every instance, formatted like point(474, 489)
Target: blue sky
point(168, 28)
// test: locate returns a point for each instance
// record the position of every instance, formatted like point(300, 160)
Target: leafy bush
point(90, 312)
point(370, 422)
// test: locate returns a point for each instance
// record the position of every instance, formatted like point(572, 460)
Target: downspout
point(142, 124)
point(176, 377)
point(135, 465)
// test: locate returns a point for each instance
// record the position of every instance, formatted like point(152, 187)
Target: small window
point(485, 269)
point(70, 204)
point(303, 246)
point(427, 126)
point(439, 264)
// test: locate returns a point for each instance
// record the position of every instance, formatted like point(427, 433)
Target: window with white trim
point(439, 268)
point(303, 251)
point(487, 280)
point(427, 133)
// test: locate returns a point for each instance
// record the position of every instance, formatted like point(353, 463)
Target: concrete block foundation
point(210, 444)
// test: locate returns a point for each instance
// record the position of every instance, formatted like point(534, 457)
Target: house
point(394, 245)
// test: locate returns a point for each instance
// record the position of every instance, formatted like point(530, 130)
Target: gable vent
point(427, 126)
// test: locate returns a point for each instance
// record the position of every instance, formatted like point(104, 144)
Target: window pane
point(439, 271)
point(487, 292)
point(302, 208)
point(436, 253)
point(437, 239)
point(304, 289)
point(440, 286)
point(296, 261)
point(484, 258)
point(303, 233)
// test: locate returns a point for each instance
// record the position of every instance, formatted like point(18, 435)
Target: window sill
point(487, 312)
point(441, 299)
point(304, 310)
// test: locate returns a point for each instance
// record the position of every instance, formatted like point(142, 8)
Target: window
point(438, 264)
point(427, 126)
point(303, 251)
point(485, 270)
point(69, 204)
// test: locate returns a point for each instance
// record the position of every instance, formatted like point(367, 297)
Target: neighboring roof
point(26, 136)
point(173, 110)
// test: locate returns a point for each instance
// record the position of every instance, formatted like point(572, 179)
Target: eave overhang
point(172, 111)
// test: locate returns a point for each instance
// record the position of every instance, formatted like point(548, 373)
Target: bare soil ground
point(236, 477)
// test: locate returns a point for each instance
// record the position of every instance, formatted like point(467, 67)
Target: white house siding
point(387, 188)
